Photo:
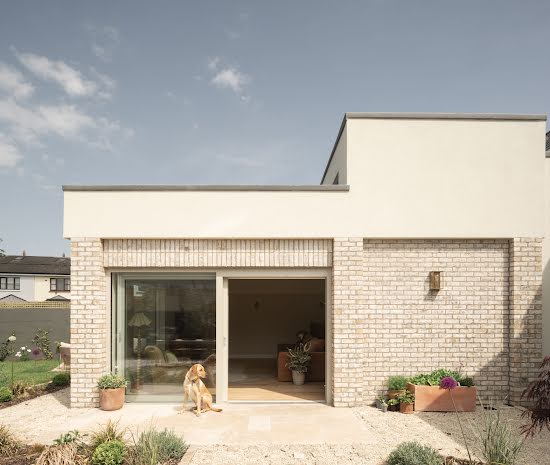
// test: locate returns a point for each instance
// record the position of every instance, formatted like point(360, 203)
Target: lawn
point(31, 372)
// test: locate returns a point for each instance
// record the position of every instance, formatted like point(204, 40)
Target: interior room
point(266, 317)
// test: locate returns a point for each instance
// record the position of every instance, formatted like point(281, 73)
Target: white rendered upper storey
point(398, 175)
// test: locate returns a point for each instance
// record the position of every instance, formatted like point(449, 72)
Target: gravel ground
point(384, 432)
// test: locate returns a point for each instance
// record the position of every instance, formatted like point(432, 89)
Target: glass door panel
point(168, 325)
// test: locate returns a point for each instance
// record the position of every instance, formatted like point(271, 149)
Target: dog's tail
point(214, 409)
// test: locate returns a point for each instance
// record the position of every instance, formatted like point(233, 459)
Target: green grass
point(31, 372)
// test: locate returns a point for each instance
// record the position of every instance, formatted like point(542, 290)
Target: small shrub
point(5, 394)
point(9, 444)
point(63, 454)
point(19, 388)
point(42, 341)
point(434, 378)
point(61, 379)
point(467, 381)
point(499, 444)
point(397, 383)
point(538, 392)
point(109, 453)
point(6, 347)
point(111, 381)
point(155, 447)
point(73, 436)
point(107, 433)
point(406, 397)
point(413, 453)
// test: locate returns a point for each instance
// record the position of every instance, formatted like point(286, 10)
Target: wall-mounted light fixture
point(435, 280)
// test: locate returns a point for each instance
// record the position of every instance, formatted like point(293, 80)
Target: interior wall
point(264, 313)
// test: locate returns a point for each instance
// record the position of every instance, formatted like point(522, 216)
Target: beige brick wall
point(525, 313)
point(464, 325)
point(348, 322)
point(218, 253)
point(89, 322)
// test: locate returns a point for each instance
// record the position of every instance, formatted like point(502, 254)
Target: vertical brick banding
point(348, 322)
point(89, 320)
point(525, 314)
point(465, 324)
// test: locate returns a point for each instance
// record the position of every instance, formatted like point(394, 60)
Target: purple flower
point(448, 382)
point(36, 351)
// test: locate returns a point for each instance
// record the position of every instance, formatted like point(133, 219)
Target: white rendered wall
point(408, 179)
point(339, 163)
point(546, 265)
point(26, 288)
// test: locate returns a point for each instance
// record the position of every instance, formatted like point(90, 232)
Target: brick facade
point(486, 318)
point(525, 313)
point(90, 326)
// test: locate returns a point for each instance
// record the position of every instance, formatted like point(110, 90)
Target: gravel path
point(44, 418)
point(384, 432)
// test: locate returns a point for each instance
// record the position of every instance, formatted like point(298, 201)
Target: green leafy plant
point(393, 402)
point(499, 443)
point(435, 377)
point(109, 453)
point(466, 381)
point(397, 383)
point(405, 397)
point(5, 394)
point(61, 379)
point(6, 347)
point(19, 388)
point(299, 358)
point(111, 381)
point(107, 433)
point(155, 447)
point(70, 437)
point(413, 453)
point(42, 341)
point(9, 444)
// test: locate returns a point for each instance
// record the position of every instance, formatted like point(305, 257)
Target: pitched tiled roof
point(11, 298)
point(23, 264)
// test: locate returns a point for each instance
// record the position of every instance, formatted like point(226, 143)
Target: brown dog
point(194, 389)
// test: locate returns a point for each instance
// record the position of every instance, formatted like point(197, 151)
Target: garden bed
point(31, 393)
point(436, 399)
point(27, 455)
point(29, 372)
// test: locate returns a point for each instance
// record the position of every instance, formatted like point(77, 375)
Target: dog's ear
point(194, 369)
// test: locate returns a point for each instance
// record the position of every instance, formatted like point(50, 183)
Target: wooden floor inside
point(256, 380)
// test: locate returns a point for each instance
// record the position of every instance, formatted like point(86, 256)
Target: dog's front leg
point(199, 400)
point(185, 399)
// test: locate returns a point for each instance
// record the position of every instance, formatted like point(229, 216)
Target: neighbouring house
point(422, 247)
point(34, 279)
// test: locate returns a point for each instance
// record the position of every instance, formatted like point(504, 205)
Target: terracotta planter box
point(111, 399)
point(436, 399)
point(406, 408)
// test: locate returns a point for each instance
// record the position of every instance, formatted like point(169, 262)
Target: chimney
point(24, 253)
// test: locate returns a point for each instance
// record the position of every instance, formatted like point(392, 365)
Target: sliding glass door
point(164, 325)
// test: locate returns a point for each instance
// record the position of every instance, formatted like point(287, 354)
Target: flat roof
point(213, 188)
point(448, 116)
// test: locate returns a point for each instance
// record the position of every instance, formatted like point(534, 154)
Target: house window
point(60, 284)
point(10, 283)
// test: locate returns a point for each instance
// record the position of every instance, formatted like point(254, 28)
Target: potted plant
point(382, 404)
point(111, 391)
point(298, 362)
point(396, 386)
point(431, 397)
point(393, 405)
point(406, 402)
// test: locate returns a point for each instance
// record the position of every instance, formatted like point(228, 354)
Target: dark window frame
point(60, 284)
point(10, 283)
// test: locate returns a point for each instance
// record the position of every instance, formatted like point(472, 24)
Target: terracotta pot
point(406, 408)
point(436, 399)
point(393, 408)
point(298, 378)
point(392, 394)
point(111, 399)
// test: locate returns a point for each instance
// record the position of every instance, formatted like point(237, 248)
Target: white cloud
point(105, 40)
point(231, 78)
point(13, 82)
point(9, 153)
point(213, 63)
point(70, 79)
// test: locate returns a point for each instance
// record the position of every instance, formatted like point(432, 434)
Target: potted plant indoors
point(111, 391)
point(406, 402)
point(396, 386)
point(298, 362)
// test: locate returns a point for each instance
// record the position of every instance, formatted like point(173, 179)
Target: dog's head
point(197, 371)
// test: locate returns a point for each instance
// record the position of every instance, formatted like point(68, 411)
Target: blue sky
point(176, 92)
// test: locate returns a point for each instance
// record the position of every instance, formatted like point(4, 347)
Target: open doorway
point(265, 316)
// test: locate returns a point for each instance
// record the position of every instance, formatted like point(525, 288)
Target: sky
point(182, 92)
